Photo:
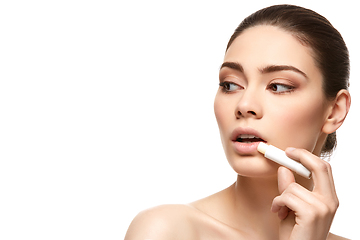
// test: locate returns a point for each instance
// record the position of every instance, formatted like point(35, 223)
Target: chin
point(253, 166)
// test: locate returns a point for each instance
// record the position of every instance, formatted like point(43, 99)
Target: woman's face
point(270, 90)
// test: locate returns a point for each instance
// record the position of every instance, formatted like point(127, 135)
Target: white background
point(106, 109)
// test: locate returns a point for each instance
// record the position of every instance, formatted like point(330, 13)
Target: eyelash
point(225, 86)
point(289, 87)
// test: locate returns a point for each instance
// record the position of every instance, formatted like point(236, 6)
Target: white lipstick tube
point(279, 156)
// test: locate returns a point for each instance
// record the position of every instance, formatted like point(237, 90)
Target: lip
point(245, 148)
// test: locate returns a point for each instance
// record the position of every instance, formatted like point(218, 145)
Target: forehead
point(265, 45)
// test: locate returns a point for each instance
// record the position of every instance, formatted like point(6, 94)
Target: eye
point(229, 87)
point(280, 88)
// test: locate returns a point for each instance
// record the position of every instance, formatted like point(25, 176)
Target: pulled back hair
point(315, 31)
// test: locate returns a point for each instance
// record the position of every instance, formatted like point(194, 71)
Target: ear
point(338, 109)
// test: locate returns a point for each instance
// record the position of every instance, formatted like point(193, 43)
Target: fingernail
point(290, 149)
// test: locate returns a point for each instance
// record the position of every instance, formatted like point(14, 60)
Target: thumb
point(285, 178)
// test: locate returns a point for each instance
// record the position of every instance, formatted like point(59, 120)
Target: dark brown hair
point(315, 31)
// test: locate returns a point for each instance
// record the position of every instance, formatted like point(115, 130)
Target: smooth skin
point(288, 108)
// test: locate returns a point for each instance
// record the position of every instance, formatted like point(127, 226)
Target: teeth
point(246, 136)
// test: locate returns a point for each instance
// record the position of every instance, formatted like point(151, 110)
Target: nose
point(249, 105)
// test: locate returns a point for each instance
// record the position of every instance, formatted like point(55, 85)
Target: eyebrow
point(267, 69)
point(232, 65)
point(277, 68)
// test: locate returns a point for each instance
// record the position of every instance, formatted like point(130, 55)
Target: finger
point(283, 213)
point(285, 178)
point(304, 195)
point(321, 170)
point(290, 201)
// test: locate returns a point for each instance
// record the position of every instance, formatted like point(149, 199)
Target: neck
point(252, 199)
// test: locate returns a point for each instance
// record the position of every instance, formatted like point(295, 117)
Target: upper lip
point(241, 130)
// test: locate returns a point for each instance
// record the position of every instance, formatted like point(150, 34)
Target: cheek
point(222, 110)
point(300, 125)
point(219, 108)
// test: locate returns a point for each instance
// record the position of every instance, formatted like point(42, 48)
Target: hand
point(304, 214)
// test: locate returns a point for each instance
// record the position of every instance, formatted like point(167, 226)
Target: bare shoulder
point(161, 222)
point(335, 237)
point(176, 222)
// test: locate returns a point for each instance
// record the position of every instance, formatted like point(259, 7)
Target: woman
point(284, 81)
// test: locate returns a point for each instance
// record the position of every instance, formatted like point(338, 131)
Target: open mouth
point(248, 138)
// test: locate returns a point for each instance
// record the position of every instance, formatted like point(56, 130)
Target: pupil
point(227, 86)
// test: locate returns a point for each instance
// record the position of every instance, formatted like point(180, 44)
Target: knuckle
point(334, 206)
point(329, 166)
point(323, 166)
point(327, 210)
point(288, 197)
point(292, 187)
point(324, 211)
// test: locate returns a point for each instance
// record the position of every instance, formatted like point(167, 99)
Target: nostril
point(248, 113)
point(252, 113)
point(238, 114)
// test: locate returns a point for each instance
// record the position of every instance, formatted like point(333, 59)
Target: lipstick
point(279, 156)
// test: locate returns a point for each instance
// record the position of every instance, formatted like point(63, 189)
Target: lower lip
point(245, 148)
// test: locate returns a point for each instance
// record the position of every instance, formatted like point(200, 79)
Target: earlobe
point(338, 111)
